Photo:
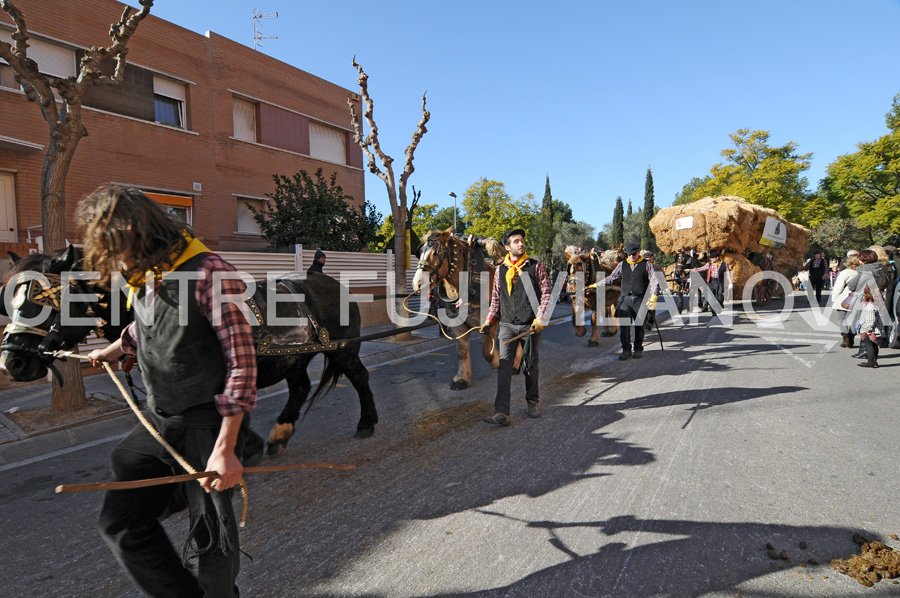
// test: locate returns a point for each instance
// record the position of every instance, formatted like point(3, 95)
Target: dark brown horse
point(448, 259)
point(588, 266)
point(25, 344)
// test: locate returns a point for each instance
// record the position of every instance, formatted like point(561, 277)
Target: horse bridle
point(49, 296)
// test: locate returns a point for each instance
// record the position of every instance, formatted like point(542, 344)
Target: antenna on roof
point(257, 28)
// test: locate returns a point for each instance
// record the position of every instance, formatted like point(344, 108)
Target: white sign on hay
point(774, 234)
point(683, 223)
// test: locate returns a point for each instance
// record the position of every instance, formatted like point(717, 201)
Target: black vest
point(635, 279)
point(182, 366)
point(516, 308)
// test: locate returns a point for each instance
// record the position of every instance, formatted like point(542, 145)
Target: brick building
point(200, 123)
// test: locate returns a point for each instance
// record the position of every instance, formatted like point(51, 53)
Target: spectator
point(871, 329)
point(841, 292)
point(318, 262)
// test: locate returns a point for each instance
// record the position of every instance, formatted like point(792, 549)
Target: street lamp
point(453, 195)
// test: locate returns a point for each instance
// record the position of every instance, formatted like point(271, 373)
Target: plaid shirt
point(543, 280)
point(234, 333)
point(616, 274)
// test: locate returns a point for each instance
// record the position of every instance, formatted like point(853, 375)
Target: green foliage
point(647, 240)
point(617, 234)
point(866, 183)
point(490, 211)
point(836, 236)
point(315, 212)
point(762, 174)
point(632, 226)
point(561, 212)
point(579, 234)
point(425, 218)
point(542, 231)
point(689, 192)
point(630, 210)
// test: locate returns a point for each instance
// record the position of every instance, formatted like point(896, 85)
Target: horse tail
point(330, 376)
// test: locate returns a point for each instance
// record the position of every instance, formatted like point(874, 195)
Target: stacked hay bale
point(734, 227)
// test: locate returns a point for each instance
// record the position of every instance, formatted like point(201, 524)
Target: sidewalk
point(18, 447)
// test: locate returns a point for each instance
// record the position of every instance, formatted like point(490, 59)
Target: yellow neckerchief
point(628, 259)
point(513, 270)
point(194, 248)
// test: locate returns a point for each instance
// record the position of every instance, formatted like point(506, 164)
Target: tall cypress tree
point(647, 240)
point(548, 233)
point(618, 228)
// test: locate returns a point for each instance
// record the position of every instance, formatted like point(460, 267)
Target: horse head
point(43, 319)
point(584, 267)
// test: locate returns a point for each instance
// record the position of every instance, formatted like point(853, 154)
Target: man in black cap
point(637, 277)
point(318, 262)
point(716, 273)
point(511, 306)
point(817, 266)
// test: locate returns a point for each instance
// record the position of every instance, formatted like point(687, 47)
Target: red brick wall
point(156, 157)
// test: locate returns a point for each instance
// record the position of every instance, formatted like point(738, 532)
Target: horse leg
point(463, 377)
point(358, 376)
point(611, 328)
point(298, 389)
point(595, 331)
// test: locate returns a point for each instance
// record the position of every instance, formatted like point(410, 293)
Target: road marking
point(60, 452)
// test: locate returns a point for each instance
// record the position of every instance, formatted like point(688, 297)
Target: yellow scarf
point(195, 247)
point(640, 259)
point(513, 271)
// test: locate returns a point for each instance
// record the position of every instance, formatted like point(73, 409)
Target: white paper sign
point(683, 223)
point(774, 234)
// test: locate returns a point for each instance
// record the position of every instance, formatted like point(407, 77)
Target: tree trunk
point(400, 255)
point(63, 142)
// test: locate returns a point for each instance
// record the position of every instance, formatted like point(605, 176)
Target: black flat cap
point(512, 232)
point(632, 248)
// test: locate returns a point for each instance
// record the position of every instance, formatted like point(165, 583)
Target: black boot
point(862, 350)
point(871, 354)
point(851, 340)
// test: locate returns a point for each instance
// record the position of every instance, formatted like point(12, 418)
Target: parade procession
point(237, 344)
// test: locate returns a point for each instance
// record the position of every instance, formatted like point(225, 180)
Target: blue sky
point(589, 92)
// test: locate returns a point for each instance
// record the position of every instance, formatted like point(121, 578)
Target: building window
point(246, 223)
point(177, 206)
point(54, 61)
point(244, 119)
point(168, 101)
point(327, 143)
point(7, 77)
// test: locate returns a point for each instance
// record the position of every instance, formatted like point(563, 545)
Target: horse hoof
point(593, 343)
point(275, 448)
point(459, 385)
point(364, 432)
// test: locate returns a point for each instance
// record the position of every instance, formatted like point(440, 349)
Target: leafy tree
point(618, 223)
point(604, 237)
point(491, 211)
point(647, 240)
point(765, 175)
point(579, 234)
point(836, 236)
point(632, 227)
point(561, 213)
point(59, 101)
point(630, 210)
point(866, 183)
point(689, 192)
point(315, 212)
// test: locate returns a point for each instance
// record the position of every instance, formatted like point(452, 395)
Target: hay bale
point(741, 271)
point(729, 224)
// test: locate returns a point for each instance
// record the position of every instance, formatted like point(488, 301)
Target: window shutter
point(327, 143)
point(169, 88)
point(246, 223)
point(244, 120)
point(53, 60)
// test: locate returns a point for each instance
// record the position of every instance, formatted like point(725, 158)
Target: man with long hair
point(198, 363)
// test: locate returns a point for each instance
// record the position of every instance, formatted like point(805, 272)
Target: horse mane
point(493, 248)
point(33, 262)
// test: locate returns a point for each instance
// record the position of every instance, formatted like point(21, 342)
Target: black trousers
point(130, 519)
point(505, 371)
point(628, 308)
point(817, 282)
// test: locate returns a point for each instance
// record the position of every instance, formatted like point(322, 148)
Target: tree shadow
point(698, 559)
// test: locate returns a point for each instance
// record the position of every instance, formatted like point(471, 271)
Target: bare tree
point(396, 192)
point(66, 130)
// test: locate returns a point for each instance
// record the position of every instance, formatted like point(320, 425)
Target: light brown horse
point(590, 265)
point(447, 258)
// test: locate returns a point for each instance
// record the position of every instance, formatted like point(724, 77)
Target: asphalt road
point(660, 477)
